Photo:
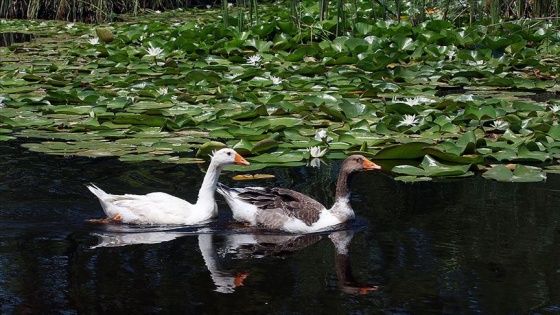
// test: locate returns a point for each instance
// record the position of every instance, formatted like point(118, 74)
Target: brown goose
point(291, 211)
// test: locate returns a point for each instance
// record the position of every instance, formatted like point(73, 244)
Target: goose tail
point(98, 192)
point(223, 190)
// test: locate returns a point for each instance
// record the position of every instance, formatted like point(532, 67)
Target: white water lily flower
point(370, 39)
point(408, 120)
point(465, 98)
point(254, 60)
point(162, 90)
point(140, 85)
point(316, 152)
point(451, 54)
point(555, 108)
point(69, 26)
point(154, 51)
point(500, 124)
point(418, 100)
point(314, 162)
point(94, 41)
point(275, 80)
point(321, 135)
point(157, 11)
point(2, 101)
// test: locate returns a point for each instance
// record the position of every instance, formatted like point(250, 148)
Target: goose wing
point(292, 203)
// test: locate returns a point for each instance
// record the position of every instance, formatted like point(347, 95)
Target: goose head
point(228, 156)
point(356, 163)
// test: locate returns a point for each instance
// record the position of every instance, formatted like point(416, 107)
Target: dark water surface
point(460, 247)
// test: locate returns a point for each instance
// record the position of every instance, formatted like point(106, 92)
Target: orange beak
point(239, 277)
point(369, 165)
point(240, 160)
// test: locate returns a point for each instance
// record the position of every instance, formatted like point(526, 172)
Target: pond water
point(7, 39)
point(465, 246)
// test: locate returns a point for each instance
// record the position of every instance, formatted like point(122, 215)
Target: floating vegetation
point(456, 98)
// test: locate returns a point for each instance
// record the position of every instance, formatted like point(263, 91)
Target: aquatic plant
point(389, 91)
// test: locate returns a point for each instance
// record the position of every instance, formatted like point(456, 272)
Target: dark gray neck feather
point(342, 184)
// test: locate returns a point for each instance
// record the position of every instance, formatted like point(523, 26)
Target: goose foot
point(116, 218)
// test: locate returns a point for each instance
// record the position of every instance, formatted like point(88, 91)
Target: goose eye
point(229, 153)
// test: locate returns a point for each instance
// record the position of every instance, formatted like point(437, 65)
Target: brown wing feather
point(292, 203)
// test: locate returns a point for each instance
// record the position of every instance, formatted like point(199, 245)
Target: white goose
point(291, 211)
point(162, 208)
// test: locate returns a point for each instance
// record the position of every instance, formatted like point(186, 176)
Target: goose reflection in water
point(247, 246)
point(225, 280)
point(254, 245)
point(346, 280)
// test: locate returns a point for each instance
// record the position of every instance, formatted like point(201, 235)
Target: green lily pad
point(411, 150)
point(521, 173)
point(207, 148)
point(430, 167)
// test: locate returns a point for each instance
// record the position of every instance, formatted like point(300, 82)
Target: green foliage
point(455, 98)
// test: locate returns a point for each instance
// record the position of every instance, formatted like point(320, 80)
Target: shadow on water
point(470, 246)
point(7, 39)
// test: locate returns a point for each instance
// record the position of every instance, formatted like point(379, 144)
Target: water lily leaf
point(259, 45)
point(404, 43)
point(274, 122)
point(554, 132)
point(278, 157)
point(521, 173)
point(412, 179)
point(434, 168)
point(401, 108)
point(352, 109)
point(450, 157)
point(243, 147)
point(430, 167)
point(240, 131)
point(264, 145)
point(58, 97)
point(356, 45)
point(409, 170)
point(252, 177)
point(524, 154)
point(207, 148)
point(479, 113)
point(411, 150)
point(333, 113)
point(311, 70)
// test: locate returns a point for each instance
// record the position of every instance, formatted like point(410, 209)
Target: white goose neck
point(208, 187)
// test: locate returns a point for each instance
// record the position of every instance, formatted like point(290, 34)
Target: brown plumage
point(289, 210)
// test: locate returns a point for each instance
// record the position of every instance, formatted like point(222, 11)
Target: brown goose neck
point(342, 184)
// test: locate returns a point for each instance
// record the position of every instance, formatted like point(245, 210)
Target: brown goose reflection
point(259, 245)
point(346, 280)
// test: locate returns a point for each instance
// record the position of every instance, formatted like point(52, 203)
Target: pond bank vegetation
point(455, 89)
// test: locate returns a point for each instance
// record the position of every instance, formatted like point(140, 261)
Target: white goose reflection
point(116, 235)
point(225, 280)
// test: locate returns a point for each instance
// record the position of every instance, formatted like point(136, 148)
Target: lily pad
point(431, 168)
point(521, 173)
point(411, 150)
